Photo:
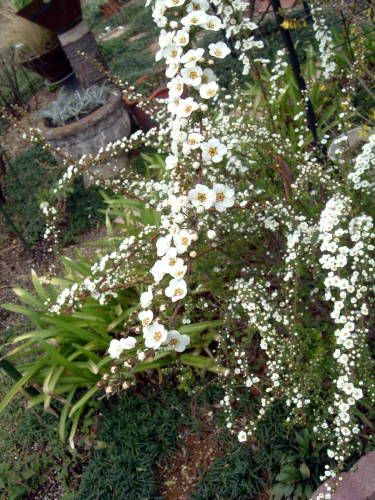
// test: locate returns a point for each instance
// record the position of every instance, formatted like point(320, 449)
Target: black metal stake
point(293, 58)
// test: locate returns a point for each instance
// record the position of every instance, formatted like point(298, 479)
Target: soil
point(12, 141)
point(194, 457)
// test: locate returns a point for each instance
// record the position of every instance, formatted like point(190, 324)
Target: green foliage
point(29, 450)
point(69, 107)
point(28, 178)
point(134, 435)
point(129, 56)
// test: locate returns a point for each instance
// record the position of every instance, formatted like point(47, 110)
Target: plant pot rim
point(71, 129)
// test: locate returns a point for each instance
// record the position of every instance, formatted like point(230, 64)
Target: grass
point(30, 453)
point(29, 177)
point(134, 435)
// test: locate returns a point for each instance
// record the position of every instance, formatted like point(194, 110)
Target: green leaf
point(305, 471)
point(79, 405)
point(121, 318)
point(64, 415)
point(200, 362)
point(200, 327)
point(58, 358)
point(38, 286)
point(28, 298)
point(166, 360)
point(17, 386)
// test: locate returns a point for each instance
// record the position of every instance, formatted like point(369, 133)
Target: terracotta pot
point(55, 15)
point(53, 65)
point(108, 123)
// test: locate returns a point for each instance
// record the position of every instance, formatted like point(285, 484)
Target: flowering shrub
point(243, 251)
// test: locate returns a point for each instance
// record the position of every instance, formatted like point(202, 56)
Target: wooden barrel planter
point(108, 123)
point(54, 66)
point(56, 15)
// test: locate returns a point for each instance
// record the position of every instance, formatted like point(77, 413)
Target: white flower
point(194, 139)
point(213, 23)
point(163, 244)
point(191, 57)
point(219, 50)
point(176, 86)
point(157, 271)
point(182, 240)
point(201, 196)
point(224, 197)
point(146, 317)
point(242, 436)
point(192, 76)
point(176, 290)
point(165, 38)
point(146, 299)
point(195, 18)
point(172, 53)
point(117, 346)
point(172, 69)
point(154, 335)
point(213, 150)
point(208, 90)
point(171, 162)
point(173, 265)
point(181, 38)
point(174, 3)
point(208, 76)
point(186, 107)
point(176, 341)
point(198, 5)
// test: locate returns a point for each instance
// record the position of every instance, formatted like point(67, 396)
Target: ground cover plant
point(241, 245)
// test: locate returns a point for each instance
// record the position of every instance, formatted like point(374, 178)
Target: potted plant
point(35, 48)
point(55, 15)
point(82, 122)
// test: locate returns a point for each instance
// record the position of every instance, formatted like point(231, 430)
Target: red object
point(56, 15)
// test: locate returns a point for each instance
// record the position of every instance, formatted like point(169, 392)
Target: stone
point(357, 484)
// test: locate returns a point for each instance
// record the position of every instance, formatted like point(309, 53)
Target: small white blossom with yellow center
point(181, 38)
point(201, 196)
point(186, 107)
point(182, 240)
point(219, 50)
point(176, 86)
point(174, 3)
point(209, 90)
point(116, 347)
point(213, 151)
point(224, 197)
point(146, 317)
point(195, 18)
point(191, 57)
point(213, 23)
point(154, 335)
point(176, 290)
point(177, 342)
point(192, 76)
point(198, 5)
